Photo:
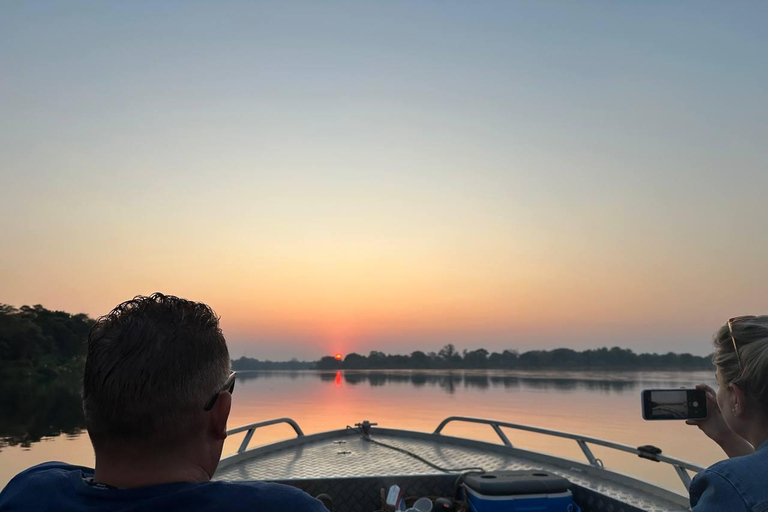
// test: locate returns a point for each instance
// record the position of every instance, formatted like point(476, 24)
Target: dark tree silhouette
point(248, 364)
point(614, 358)
point(37, 340)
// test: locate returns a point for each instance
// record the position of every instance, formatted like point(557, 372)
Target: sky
point(356, 175)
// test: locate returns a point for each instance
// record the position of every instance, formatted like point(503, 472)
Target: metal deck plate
point(348, 455)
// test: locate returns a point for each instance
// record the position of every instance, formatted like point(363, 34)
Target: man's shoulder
point(53, 466)
point(38, 485)
point(269, 496)
point(45, 472)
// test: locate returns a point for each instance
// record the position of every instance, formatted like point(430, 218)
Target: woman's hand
point(715, 427)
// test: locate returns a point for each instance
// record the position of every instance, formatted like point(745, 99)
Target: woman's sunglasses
point(229, 385)
point(732, 321)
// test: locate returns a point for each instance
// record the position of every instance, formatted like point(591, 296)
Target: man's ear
point(737, 400)
point(220, 414)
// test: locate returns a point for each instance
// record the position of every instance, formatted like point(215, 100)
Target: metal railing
point(251, 429)
point(681, 467)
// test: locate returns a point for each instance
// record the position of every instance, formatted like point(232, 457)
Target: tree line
point(36, 340)
point(450, 358)
point(39, 341)
point(248, 364)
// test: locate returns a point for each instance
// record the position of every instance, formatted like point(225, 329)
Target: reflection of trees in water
point(32, 410)
point(354, 379)
point(328, 377)
point(476, 381)
point(570, 384)
point(291, 374)
point(448, 380)
point(377, 379)
point(419, 380)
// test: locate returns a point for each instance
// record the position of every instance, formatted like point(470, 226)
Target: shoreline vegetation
point(40, 344)
point(449, 358)
point(42, 354)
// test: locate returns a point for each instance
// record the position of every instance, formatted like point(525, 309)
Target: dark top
point(63, 487)
point(733, 485)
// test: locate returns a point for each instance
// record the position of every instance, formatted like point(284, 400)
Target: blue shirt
point(739, 484)
point(63, 487)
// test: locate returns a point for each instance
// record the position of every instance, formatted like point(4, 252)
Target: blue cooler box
point(518, 491)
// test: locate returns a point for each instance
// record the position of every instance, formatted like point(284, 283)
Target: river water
point(596, 404)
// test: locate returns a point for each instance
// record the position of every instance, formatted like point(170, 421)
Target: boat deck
point(340, 457)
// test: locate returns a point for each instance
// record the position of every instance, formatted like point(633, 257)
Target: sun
point(338, 357)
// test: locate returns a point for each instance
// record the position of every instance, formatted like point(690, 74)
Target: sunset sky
point(396, 175)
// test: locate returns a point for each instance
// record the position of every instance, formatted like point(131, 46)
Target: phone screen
point(674, 404)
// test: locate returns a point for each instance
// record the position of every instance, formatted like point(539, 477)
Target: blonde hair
point(751, 336)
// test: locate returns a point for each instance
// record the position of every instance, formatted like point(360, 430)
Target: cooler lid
point(511, 483)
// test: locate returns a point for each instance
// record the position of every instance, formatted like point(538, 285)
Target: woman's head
point(741, 358)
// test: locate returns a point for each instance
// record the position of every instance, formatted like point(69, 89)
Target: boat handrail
point(647, 452)
point(681, 467)
point(251, 429)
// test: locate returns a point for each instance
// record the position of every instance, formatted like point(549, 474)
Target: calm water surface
point(597, 404)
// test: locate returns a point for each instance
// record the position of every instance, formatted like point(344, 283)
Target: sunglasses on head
point(229, 385)
point(732, 321)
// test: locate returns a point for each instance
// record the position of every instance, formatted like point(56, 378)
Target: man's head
point(153, 363)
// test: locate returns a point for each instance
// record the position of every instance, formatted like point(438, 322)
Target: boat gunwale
point(562, 463)
point(569, 435)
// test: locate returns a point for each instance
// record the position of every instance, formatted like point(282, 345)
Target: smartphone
point(674, 404)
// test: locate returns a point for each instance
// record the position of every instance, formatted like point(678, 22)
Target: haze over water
point(595, 404)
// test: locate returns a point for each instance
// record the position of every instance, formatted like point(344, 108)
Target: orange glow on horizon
point(338, 357)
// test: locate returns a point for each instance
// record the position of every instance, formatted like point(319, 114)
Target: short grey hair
point(152, 364)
